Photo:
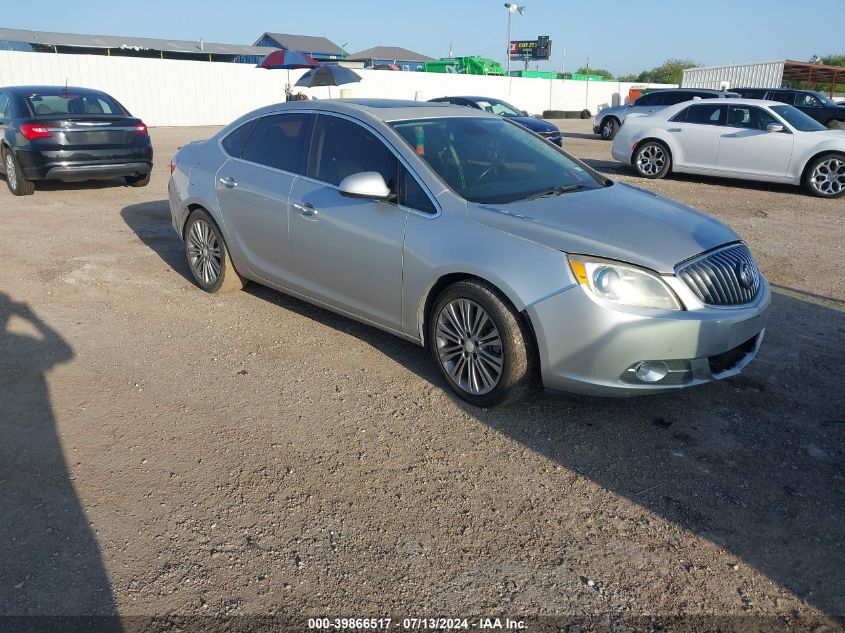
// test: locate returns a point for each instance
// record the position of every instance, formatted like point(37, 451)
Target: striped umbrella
point(288, 60)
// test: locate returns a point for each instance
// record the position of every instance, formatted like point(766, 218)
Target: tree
point(630, 78)
point(594, 71)
point(669, 72)
point(834, 60)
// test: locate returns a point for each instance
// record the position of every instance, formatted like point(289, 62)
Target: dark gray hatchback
point(69, 134)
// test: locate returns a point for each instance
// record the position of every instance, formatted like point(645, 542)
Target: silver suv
point(608, 121)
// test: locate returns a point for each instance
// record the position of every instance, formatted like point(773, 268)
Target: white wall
point(171, 92)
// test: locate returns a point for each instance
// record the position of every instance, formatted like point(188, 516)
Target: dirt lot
point(165, 451)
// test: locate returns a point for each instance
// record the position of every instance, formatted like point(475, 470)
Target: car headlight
point(623, 283)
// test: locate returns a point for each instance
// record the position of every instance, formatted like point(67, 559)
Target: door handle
point(674, 129)
point(228, 182)
point(306, 210)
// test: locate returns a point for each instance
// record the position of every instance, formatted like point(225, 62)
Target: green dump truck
point(465, 66)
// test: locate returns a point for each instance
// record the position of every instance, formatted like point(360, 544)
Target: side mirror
point(774, 127)
point(366, 184)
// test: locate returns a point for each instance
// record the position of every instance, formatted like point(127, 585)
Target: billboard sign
point(538, 49)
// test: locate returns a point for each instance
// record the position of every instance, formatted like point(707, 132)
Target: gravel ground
point(169, 452)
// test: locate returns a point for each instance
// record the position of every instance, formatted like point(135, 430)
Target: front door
point(747, 147)
point(347, 252)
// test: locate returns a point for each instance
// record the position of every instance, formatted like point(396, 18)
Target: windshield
point(492, 160)
point(59, 101)
point(798, 119)
point(498, 107)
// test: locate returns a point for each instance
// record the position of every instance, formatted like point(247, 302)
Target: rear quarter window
point(234, 143)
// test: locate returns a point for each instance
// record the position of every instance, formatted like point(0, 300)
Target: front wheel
point(609, 128)
point(18, 185)
point(208, 257)
point(825, 176)
point(481, 345)
point(652, 160)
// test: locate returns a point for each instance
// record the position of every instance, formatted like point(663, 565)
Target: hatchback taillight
point(32, 131)
point(140, 129)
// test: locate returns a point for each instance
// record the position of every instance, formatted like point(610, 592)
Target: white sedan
point(740, 138)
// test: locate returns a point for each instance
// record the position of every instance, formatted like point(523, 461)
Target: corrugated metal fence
point(762, 75)
point(186, 93)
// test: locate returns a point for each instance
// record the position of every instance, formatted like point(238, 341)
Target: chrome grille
point(728, 276)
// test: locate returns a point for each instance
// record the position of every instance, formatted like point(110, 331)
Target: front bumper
point(590, 347)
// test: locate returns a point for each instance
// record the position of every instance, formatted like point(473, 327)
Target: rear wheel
point(609, 128)
point(138, 181)
point(18, 185)
point(481, 345)
point(652, 160)
point(208, 257)
point(825, 176)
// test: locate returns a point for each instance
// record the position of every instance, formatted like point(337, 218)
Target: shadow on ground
point(753, 464)
point(50, 562)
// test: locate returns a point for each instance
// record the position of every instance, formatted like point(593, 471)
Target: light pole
point(512, 8)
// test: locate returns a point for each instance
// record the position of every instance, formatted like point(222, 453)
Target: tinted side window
point(412, 195)
point(235, 141)
point(706, 114)
point(279, 141)
point(4, 105)
point(783, 97)
point(807, 101)
point(749, 117)
point(671, 98)
point(652, 98)
point(341, 148)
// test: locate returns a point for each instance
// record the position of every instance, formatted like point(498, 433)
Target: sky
point(622, 36)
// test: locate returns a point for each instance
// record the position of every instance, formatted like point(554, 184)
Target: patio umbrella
point(328, 75)
point(288, 60)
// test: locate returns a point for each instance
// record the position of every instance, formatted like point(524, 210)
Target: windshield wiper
point(556, 191)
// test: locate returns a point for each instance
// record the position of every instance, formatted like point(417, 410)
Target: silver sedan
point(514, 263)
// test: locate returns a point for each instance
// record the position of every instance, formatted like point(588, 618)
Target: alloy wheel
point(607, 129)
point(204, 254)
point(651, 160)
point(469, 347)
point(11, 174)
point(829, 177)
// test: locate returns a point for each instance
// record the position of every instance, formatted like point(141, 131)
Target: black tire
point(652, 159)
point(518, 373)
point(586, 114)
point(608, 129)
point(227, 279)
point(139, 181)
point(817, 183)
point(21, 187)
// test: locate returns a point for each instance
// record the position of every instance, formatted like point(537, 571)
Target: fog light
point(652, 371)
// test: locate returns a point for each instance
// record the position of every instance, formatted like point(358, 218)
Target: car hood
point(617, 222)
point(535, 125)
point(612, 110)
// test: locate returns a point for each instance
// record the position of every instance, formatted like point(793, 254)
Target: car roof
point(722, 102)
point(22, 90)
point(384, 110)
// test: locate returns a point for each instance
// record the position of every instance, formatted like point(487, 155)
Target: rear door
point(253, 187)
point(696, 131)
point(5, 115)
point(746, 147)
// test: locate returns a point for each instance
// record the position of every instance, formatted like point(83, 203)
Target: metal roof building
point(319, 48)
point(772, 74)
point(384, 55)
point(46, 42)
